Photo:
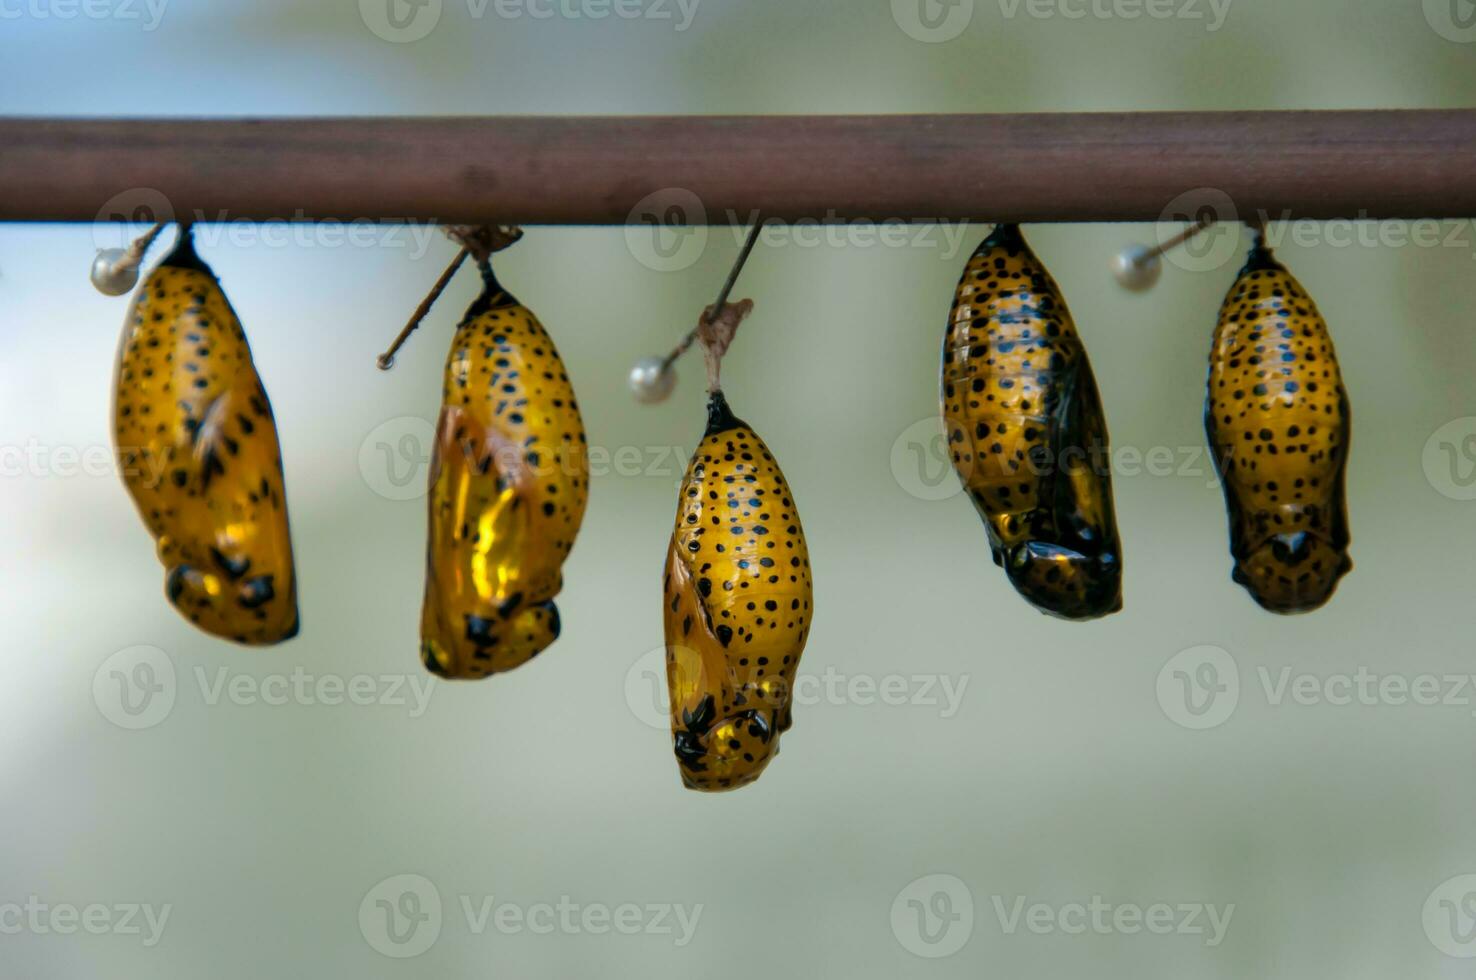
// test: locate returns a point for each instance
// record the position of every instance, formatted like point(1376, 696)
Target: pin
point(653, 378)
point(1137, 268)
point(481, 240)
point(115, 270)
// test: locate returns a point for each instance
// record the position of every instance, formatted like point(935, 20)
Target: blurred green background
point(1066, 769)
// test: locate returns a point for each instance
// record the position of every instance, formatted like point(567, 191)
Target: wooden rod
point(722, 170)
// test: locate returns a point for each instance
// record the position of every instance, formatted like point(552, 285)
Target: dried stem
point(478, 241)
point(716, 330)
point(722, 299)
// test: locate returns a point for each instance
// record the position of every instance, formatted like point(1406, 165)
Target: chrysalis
point(1278, 423)
point(737, 601)
point(197, 445)
point(1027, 434)
point(508, 485)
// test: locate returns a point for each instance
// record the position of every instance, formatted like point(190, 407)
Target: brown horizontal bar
point(603, 170)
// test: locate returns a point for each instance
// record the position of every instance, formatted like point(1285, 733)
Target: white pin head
point(114, 271)
point(1137, 268)
point(652, 380)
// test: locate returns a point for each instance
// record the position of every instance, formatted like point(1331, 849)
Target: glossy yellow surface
point(1278, 423)
point(197, 445)
point(737, 605)
point(1027, 434)
point(508, 485)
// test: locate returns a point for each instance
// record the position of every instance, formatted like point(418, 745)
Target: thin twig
point(478, 241)
point(387, 359)
point(1175, 241)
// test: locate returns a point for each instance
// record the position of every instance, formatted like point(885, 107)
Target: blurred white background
point(1062, 771)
